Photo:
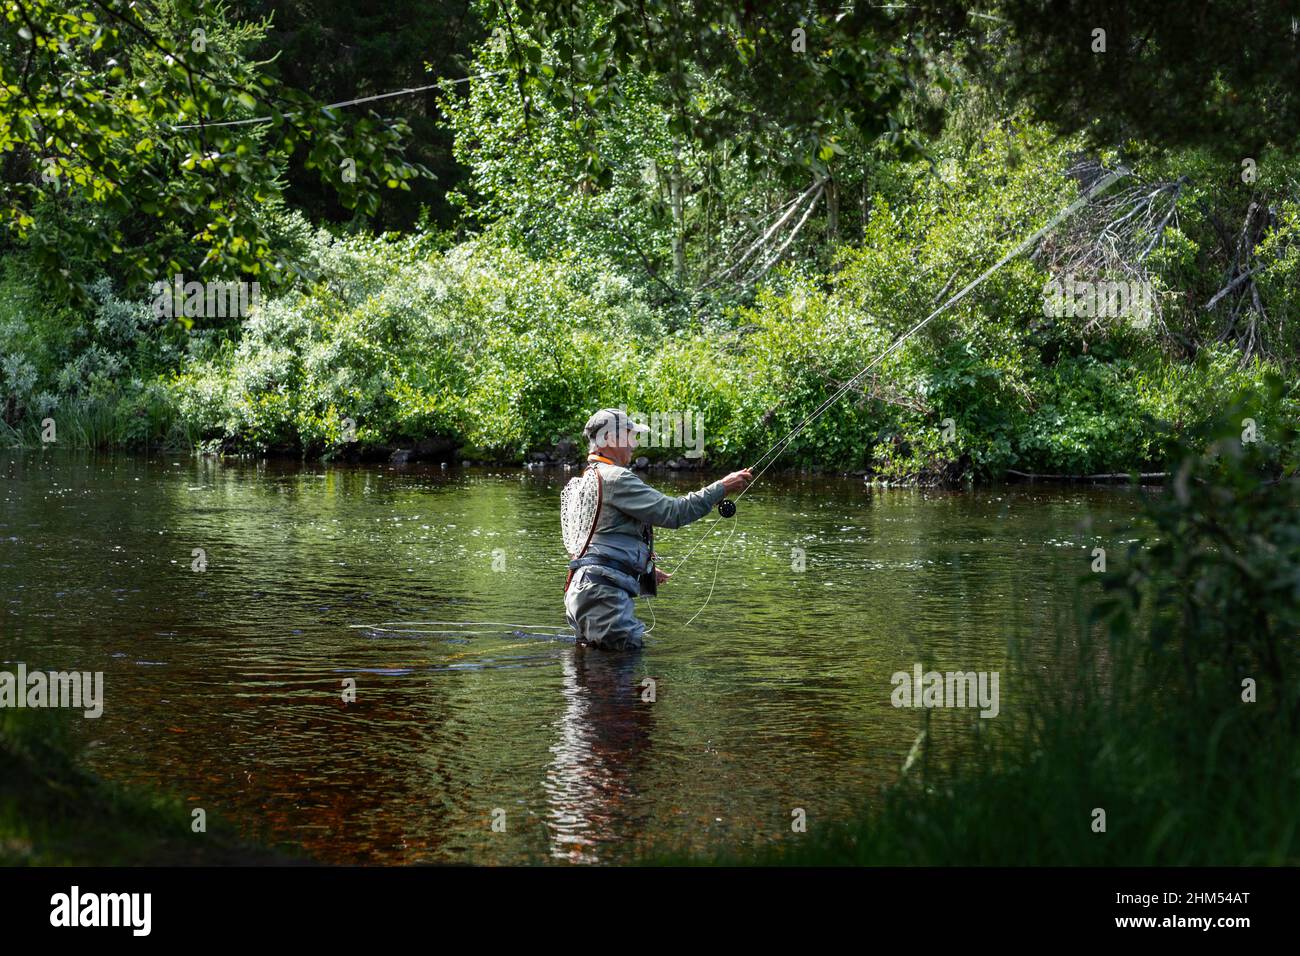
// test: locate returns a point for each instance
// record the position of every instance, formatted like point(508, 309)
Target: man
point(619, 563)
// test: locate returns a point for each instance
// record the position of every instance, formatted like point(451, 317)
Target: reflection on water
point(472, 704)
point(601, 742)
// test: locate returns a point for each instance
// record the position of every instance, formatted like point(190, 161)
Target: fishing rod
point(727, 507)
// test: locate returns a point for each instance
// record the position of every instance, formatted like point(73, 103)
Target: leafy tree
point(796, 76)
point(338, 50)
point(127, 137)
point(699, 169)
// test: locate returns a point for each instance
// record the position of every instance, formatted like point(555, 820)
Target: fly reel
point(726, 507)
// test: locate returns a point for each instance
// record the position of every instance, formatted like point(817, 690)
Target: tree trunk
point(832, 210)
point(679, 225)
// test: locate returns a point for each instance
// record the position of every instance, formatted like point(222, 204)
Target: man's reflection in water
point(604, 734)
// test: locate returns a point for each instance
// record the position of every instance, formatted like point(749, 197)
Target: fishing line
point(821, 409)
point(716, 565)
point(347, 103)
point(772, 454)
point(422, 627)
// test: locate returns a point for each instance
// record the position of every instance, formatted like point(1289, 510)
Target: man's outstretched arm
point(631, 495)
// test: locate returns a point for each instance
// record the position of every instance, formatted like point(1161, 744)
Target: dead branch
point(771, 231)
point(776, 256)
point(1113, 236)
point(1229, 288)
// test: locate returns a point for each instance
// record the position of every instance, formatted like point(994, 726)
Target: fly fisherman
point(618, 564)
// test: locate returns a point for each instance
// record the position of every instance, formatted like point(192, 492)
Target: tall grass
point(104, 424)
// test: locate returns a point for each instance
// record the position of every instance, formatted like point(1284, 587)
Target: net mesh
point(579, 505)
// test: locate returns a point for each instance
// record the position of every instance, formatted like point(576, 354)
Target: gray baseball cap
point(610, 427)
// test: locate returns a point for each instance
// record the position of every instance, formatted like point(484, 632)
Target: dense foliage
point(716, 222)
point(142, 139)
point(727, 209)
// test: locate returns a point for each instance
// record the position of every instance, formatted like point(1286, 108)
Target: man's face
point(618, 448)
point(633, 440)
point(621, 454)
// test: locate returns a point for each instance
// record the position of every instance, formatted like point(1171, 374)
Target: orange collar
point(600, 458)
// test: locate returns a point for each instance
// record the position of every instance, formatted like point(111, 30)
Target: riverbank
point(544, 463)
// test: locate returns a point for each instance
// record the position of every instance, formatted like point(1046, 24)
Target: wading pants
point(599, 608)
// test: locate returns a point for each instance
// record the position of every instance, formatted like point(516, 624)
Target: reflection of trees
point(604, 736)
point(320, 538)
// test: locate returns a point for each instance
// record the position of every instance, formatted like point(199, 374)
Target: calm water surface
point(225, 686)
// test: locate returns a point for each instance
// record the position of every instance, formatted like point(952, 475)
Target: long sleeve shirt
point(630, 510)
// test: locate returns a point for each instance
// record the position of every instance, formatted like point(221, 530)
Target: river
point(230, 674)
